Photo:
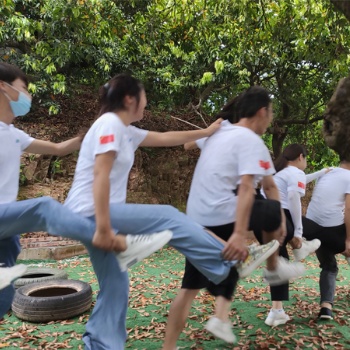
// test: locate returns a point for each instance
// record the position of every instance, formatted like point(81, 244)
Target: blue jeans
point(9, 251)
point(106, 328)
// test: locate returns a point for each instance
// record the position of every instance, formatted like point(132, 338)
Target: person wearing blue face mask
point(44, 213)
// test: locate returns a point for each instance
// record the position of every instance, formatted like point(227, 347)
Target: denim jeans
point(9, 251)
point(106, 328)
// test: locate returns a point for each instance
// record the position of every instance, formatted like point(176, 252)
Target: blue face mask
point(22, 105)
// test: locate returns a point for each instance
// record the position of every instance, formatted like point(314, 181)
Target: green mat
point(153, 285)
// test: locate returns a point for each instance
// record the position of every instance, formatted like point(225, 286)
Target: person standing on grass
point(291, 182)
point(223, 199)
point(40, 214)
point(99, 193)
point(330, 209)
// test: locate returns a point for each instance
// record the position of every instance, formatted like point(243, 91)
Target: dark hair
point(229, 111)
point(112, 94)
point(290, 153)
point(9, 73)
point(250, 101)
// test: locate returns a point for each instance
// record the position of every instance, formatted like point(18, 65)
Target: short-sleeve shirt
point(290, 179)
point(12, 144)
point(108, 133)
point(231, 152)
point(328, 198)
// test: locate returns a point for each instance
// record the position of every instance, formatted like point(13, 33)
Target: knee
point(170, 212)
point(45, 203)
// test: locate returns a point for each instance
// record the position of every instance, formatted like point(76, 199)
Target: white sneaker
point(221, 330)
point(141, 246)
point(10, 274)
point(307, 247)
point(257, 255)
point(284, 272)
point(276, 317)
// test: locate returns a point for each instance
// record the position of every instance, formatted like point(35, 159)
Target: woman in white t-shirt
point(223, 199)
point(291, 182)
point(99, 193)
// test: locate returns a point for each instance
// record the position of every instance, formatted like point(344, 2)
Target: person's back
point(212, 199)
point(328, 198)
point(289, 179)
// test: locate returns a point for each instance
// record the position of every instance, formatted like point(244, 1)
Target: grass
point(153, 285)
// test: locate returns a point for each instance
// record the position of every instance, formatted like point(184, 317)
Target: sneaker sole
point(164, 237)
point(279, 282)
point(18, 271)
point(246, 272)
point(276, 323)
point(325, 317)
point(222, 336)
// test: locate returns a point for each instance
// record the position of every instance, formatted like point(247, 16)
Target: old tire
point(52, 300)
point(40, 274)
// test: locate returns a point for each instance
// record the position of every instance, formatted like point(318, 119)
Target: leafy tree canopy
point(195, 53)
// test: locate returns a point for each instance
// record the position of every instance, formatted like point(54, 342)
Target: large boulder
point(336, 126)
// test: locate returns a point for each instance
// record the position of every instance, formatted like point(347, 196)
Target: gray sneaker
point(140, 247)
point(10, 274)
point(257, 255)
point(284, 272)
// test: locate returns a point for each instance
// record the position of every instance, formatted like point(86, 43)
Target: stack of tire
point(45, 294)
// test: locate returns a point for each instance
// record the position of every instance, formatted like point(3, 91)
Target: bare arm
point(104, 235)
point(190, 145)
point(57, 149)
point(176, 138)
point(347, 225)
point(272, 192)
point(236, 247)
point(270, 188)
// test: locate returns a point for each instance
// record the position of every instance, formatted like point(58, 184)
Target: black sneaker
point(325, 314)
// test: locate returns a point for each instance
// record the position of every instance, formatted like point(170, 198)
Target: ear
point(262, 112)
point(128, 101)
point(3, 85)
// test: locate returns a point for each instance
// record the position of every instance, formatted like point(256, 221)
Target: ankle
point(296, 242)
point(120, 243)
point(327, 305)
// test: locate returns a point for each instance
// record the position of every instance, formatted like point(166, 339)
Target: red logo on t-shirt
point(301, 185)
point(265, 165)
point(106, 139)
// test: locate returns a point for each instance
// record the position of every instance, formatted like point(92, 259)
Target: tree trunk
point(343, 6)
point(278, 137)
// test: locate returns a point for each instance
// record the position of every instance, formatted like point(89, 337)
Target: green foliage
point(188, 53)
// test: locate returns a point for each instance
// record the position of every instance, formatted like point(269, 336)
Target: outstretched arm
point(176, 138)
point(317, 174)
point(57, 149)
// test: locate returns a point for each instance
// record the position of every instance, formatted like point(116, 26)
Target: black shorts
point(193, 279)
point(266, 216)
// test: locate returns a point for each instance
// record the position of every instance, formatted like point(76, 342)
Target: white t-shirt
point(290, 179)
point(108, 133)
point(228, 154)
point(12, 144)
point(328, 198)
